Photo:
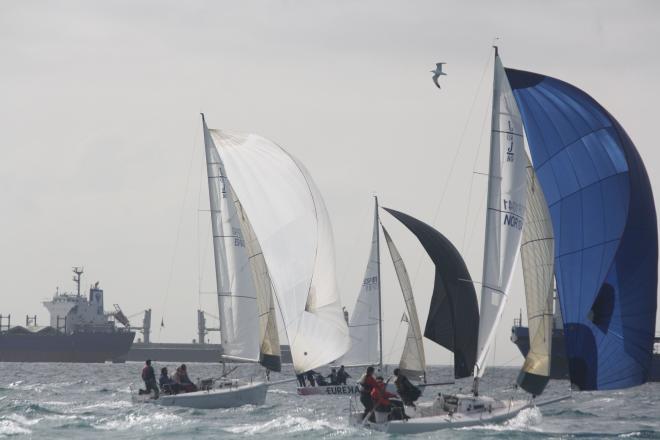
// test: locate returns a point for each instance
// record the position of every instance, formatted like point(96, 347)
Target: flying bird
point(437, 72)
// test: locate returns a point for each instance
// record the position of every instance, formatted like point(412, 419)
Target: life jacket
point(368, 384)
point(146, 372)
point(380, 395)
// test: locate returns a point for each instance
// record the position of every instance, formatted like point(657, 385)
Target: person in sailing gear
point(367, 383)
point(182, 379)
point(320, 380)
point(333, 376)
point(149, 378)
point(383, 401)
point(342, 375)
point(301, 380)
point(167, 385)
point(408, 392)
point(310, 377)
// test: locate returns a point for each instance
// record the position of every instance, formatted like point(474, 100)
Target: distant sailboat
point(365, 326)
point(282, 254)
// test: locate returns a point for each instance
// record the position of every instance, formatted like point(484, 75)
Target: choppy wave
point(43, 401)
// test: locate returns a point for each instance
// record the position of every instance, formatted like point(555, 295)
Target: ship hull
point(84, 347)
point(559, 363)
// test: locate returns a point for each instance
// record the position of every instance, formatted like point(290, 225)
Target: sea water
point(82, 401)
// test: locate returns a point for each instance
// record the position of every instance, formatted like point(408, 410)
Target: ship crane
point(202, 329)
point(145, 329)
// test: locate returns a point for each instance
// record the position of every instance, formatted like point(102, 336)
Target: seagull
point(437, 72)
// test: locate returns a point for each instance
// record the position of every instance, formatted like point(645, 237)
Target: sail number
point(513, 214)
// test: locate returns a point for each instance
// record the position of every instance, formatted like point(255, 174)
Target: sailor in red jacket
point(382, 402)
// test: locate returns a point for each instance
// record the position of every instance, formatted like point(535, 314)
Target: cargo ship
point(79, 331)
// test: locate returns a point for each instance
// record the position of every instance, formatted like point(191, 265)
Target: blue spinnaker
point(605, 227)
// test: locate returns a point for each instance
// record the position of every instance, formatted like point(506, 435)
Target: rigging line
point(350, 259)
point(453, 162)
point(394, 341)
point(178, 229)
point(474, 167)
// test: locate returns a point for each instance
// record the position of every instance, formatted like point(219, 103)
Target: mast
point(380, 306)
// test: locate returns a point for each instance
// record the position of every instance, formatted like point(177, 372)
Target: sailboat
point(272, 245)
point(365, 326)
point(508, 184)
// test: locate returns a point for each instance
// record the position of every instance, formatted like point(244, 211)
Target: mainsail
point(537, 254)
point(237, 302)
point(413, 361)
point(605, 229)
point(506, 210)
point(365, 323)
point(288, 215)
point(453, 320)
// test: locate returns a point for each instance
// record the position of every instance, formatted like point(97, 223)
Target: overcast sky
point(102, 144)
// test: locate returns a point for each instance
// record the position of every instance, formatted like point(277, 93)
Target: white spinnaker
point(365, 319)
point(236, 293)
point(269, 341)
point(289, 217)
point(413, 361)
point(537, 254)
point(507, 180)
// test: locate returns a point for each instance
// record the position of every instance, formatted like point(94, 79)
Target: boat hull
point(229, 397)
point(331, 390)
point(84, 347)
point(427, 418)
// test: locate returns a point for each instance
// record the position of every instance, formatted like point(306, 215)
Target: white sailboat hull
point(428, 418)
point(226, 397)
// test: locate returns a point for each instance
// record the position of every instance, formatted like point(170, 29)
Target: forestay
point(537, 254)
point(505, 211)
point(365, 319)
point(413, 361)
point(289, 217)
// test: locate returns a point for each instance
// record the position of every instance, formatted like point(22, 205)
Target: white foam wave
point(287, 424)
point(523, 421)
point(148, 422)
point(10, 427)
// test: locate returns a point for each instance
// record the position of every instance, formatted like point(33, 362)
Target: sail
point(507, 180)
point(236, 292)
point(288, 215)
point(605, 228)
point(453, 320)
point(365, 320)
point(413, 361)
point(537, 254)
point(269, 340)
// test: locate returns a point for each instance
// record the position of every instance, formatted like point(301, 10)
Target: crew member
point(367, 383)
point(149, 378)
point(342, 375)
point(382, 402)
point(408, 392)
